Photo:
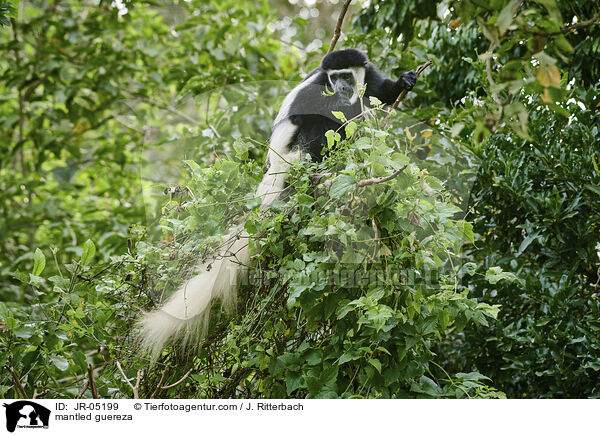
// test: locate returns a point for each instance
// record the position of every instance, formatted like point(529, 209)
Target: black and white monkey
point(305, 114)
point(298, 131)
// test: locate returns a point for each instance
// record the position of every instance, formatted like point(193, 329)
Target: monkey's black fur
point(310, 104)
point(344, 59)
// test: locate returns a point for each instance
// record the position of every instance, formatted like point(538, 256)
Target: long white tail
point(279, 159)
point(184, 317)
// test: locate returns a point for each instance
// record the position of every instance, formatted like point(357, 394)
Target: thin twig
point(136, 394)
point(162, 378)
point(377, 180)
point(137, 383)
point(179, 381)
point(316, 177)
point(568, 29)
point(451, 381)
point(86, 383)
point(92, 382)
point(16, 381)
point(173, 110)
point(338, 26)
point(488, 67)
point(376, 239)
point(32, 87)
point(214, 130)
point(403, 94)
point(37, 395)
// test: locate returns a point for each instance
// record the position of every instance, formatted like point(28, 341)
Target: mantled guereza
point(299, 130)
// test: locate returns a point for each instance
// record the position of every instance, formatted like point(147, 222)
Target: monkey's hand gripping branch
point(403, 94)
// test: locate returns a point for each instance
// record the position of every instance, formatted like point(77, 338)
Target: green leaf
point(470, 268)
point(552, 9)
point(362, 143)
point(80, 360)
point(563, 44)
point(467, 230)
point(342, 185)
point(375, 102)
point(350, 355)
point(293, 381)
point(314, 357)
point(591, 188)
point(375, 363)
point(39, 262)
point(427, 386)
point(332, 138)
point(35, 280)
point(24, 332)
point(495, 274)
point(506, 15)
point(526, 242)
point(59, 281)
point(343, 310)
point(489, 310)
point(350, 128)
point(193, 165)
point(329, 375)
point(339, 115)
point(20, 276)
point(60, 362)
point(472, 376)
point(89, 250)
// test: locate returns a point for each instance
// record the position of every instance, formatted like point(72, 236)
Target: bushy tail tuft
point(183, 318)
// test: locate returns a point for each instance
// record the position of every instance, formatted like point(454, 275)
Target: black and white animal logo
point(298, 131)
point(26, 414)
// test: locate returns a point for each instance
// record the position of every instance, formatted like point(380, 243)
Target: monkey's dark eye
point(347, 77)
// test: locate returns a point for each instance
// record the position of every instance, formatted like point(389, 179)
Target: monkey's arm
point(387, 90)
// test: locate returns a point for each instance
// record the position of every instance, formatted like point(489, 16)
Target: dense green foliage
point(538, 214)
point(383, 290)
point(332, 311)
point(536, 199)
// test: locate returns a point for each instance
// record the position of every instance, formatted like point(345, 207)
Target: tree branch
point(16, 381)
point(86, 383)
point(92, 382)
point(571, 28)
point(162, 378)
point(338, 26)
point(179, 381)
point(135, 387)
point(29, 90)
point(488, 67)
point(377, 180)
point(403, 94)
point(37, 395)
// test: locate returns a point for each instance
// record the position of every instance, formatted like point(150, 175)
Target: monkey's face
point(343, 84)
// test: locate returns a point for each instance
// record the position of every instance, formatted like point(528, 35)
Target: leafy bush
point(538, 215)
point(352, 285)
